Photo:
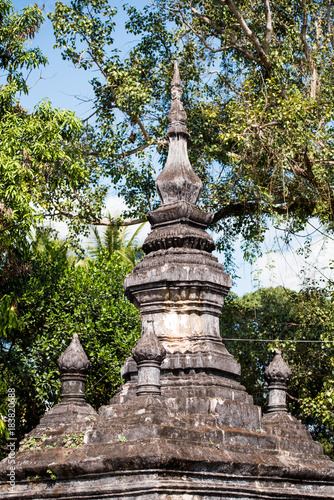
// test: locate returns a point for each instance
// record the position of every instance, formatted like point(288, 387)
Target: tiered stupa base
point(173, 448)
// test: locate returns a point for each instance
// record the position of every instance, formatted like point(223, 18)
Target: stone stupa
point(181, 426)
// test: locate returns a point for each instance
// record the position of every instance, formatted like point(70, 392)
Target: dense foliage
point(258, 90)
point(282, 316)
point(43, 171)
point(39, 313)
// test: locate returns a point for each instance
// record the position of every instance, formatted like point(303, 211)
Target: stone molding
point(159, 484)
point(177, 213)
point(181, 236)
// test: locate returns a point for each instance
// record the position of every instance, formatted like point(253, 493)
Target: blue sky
point(68, 88)
point(60, 81)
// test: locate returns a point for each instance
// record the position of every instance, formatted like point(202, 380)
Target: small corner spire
point(278, 370)
point(148, 354)
point(74, 358)
point(278, 376)
point(73, 365)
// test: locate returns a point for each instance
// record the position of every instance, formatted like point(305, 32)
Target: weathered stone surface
point(178, 181)
point(148, 354)
point(74, 359)
point(148, 348)
point(64, 414)
point(144, 448)
point(278, 376)
point(292, 434)
point(201, 437)
point(73, 365)
point(156, 484)
point(181, 237)
point(278, 370)
point(179, 213)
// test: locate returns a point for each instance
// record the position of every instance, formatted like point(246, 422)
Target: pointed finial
point(149, 347)
point(177, 115)
point(176, 81)
point(278, 370)
point(73, 365)
point(278, 376)
point(74, 359)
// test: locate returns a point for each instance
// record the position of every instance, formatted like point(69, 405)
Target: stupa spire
point(178, 182)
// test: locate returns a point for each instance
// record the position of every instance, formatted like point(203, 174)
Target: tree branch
point(206, 20)
point(131, 115)
point(242, 49)
point(124, 154)
point(101, 222)
point(162, 142)
point(249, 33)
point(238, 209)
point(307, 52)
point(268, 26)
point(141, 126)
point(204, 42)
point(329, 26)
point(289, 395)
point(124, 223)
point(90, 116)
point(234, 43)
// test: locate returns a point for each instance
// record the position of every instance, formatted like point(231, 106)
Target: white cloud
point(289, 269)
point(283, 265)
